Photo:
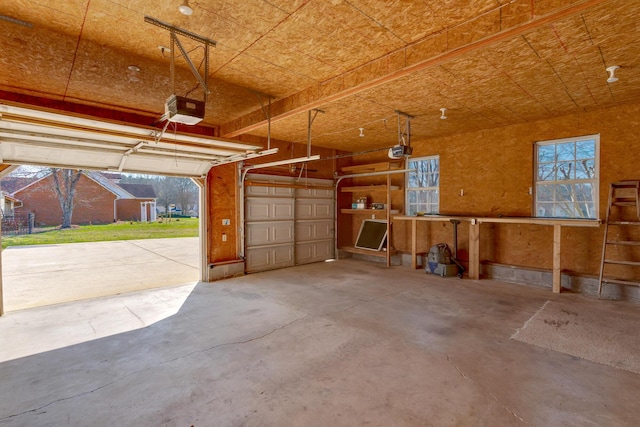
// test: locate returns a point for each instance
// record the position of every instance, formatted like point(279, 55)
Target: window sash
point(566, 178)
point(423, 187)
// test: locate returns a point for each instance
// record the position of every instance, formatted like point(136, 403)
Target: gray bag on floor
point(438, 254)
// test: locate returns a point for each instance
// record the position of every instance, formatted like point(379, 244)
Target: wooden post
point(389, 224)
point(557, 234)
point(414, 243)
point(474, 250)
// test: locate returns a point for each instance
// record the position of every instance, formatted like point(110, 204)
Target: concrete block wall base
point(580, 284)
point(226, 270)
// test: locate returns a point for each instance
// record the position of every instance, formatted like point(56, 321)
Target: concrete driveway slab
point(33, 276)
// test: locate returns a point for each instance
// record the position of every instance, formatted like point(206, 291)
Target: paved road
point(33, 276)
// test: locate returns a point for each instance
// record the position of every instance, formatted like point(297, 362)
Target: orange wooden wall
point(222, 196)
point(494, 167)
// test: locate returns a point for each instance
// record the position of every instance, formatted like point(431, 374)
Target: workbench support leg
point(414, 244)
point(557, 234)
point(474, 251)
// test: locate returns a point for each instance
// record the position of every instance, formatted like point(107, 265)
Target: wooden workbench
point(473, 273)
point(474, 236)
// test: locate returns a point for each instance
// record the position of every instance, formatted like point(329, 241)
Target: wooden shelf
point(372, 167)
point(369, 211)
point(381, 254)
point(382, 188)
point(368, 188)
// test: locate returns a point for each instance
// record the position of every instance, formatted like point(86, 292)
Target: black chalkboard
point(372, 235)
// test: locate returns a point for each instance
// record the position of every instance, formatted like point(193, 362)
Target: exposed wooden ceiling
point(489, 62)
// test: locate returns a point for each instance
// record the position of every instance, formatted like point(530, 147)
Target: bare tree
point(64, 184)
point(179, 191)
point(186, 193)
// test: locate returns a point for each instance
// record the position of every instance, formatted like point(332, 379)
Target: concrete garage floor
point(343, 343)
point(33, 276)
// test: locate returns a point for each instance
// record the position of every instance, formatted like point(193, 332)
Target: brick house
point(98, 200)
point(7, 204)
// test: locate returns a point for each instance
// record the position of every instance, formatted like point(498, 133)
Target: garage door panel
point(39, 155)
point(263, 190)
point(313, 230)
point(260, 191)
point(252, 191)
point(283, 210)
point(324, 210)
point(265, 209)
point(269, 258)
point(314, 252)
point(314, 193)
point(314, 209)
point(268, 233)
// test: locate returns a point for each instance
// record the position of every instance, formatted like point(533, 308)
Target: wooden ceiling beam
point(398, 64)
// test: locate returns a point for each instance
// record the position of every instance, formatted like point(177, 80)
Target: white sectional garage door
point(287, 226)
point(314, 225)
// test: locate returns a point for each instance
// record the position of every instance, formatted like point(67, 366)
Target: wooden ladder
point(622, 194)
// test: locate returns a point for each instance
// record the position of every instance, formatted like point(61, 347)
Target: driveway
point(33, 276)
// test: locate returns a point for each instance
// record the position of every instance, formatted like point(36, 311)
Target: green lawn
point(183, 227)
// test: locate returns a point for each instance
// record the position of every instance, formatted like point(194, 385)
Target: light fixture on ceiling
point(443, 116)
point(361, 132)
point(185, 9)
point(164, 49)
point(612, 73)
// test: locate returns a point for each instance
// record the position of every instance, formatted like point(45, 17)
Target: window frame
point(595, 181)
point(409, 189)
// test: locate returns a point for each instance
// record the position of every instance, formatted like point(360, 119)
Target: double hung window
point(423, 186)
point(567, 178)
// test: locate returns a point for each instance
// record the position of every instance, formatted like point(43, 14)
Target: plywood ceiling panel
point(490, 62)
point(412, 21)
point(274, 80)
point(285, 60)
point(255, 16)
point(64, 17)
point(39, 61)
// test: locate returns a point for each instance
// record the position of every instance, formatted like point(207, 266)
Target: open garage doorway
point(42, 137)
point(127, 232)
